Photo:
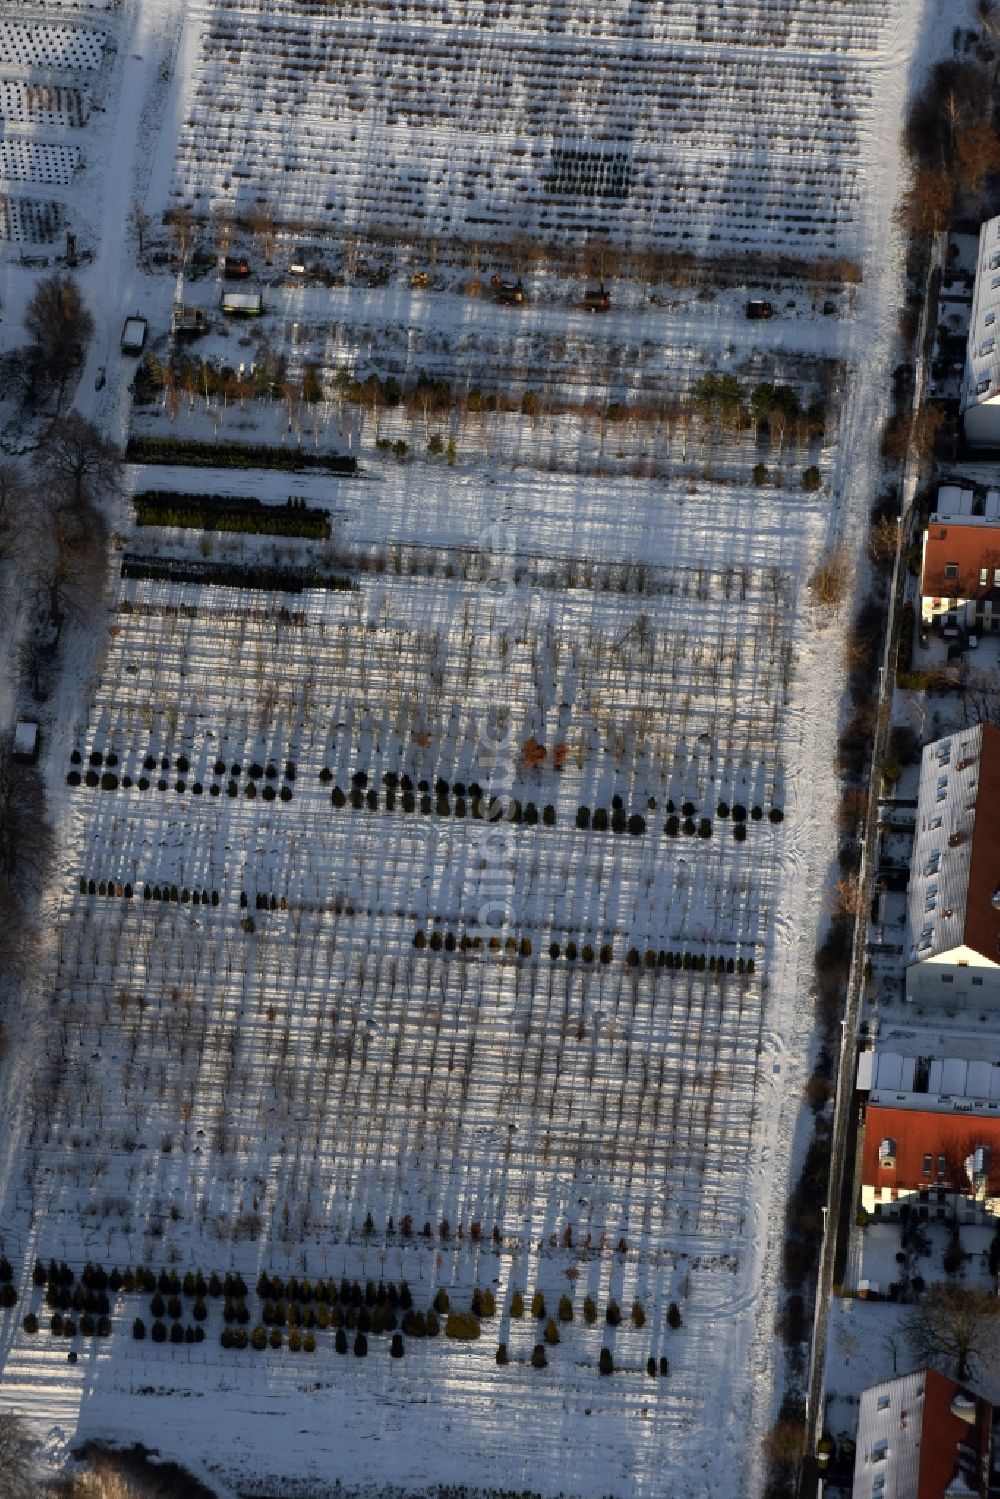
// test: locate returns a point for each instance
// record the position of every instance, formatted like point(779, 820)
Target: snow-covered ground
point(190, 1090)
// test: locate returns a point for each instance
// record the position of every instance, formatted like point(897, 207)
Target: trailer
point(134, 334)
point(508, 293)
point(242, 303)
point(597, 299)
point(188, 322)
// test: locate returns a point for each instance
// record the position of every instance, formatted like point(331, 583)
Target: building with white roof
point(981, 384)
point(952, 941)
point(923, 1436)
point(952, 928)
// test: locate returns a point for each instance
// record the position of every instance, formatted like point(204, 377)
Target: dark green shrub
point(565, 1309)
point(501, 1353)
point(360, 1345)
point(538, 1358)
point(538, 1305)
point(517, 1305)
point(30, 1323)
point(159, 1332)
point(483, 1303)
point(613, 1315)
point(462, 1326)
point(589, 1311)
point(396, 1347)
point(638, 1314)
point(176, 1333)
point(674, 1318)
point(651, 1366)
point(551, 1334)
point(606, 1364)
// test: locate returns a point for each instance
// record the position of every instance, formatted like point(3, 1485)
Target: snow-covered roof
point(918, 1435)
point(970, 506)
point(943, 844)
point(947, 1084)
point(982, 358)
point(25, 736)
point(242, 301)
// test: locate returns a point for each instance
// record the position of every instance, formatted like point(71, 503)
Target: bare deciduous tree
point(977, 156)
point(956, 1324)
point(930, 202)
point(78, 462)
point(12, 503)
point(59, 327)
point(140, 222)
point(16, 1450)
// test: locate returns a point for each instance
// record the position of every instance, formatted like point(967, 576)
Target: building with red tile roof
point(942, 1159)
point(923, 1436)
point(960, 568)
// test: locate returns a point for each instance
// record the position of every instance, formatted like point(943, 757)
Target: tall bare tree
point(140, 222)
point(59, 327)
point(956, 1324)
point(77, 462)
point(16, 1450)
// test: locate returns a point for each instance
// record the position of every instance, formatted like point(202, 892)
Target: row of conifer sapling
point(600, 819)
point(342, 1307)
point(585, 952)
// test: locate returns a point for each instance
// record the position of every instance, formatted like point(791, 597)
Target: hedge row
point(232, 575)
point(110, 782)
point(248, 518)
point(494, 810)
point(233, 455)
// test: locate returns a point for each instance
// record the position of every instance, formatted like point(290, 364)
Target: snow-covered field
point(556, 120)
point(212, 1084)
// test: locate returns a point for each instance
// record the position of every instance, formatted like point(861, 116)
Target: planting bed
point(339, 955)
point(552, 119)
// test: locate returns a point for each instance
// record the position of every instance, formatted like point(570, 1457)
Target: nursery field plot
point(554, 120)
point(45, 104)
point(28, 221)
point(43, 46)
point(271, 1020)
point(28, 161)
